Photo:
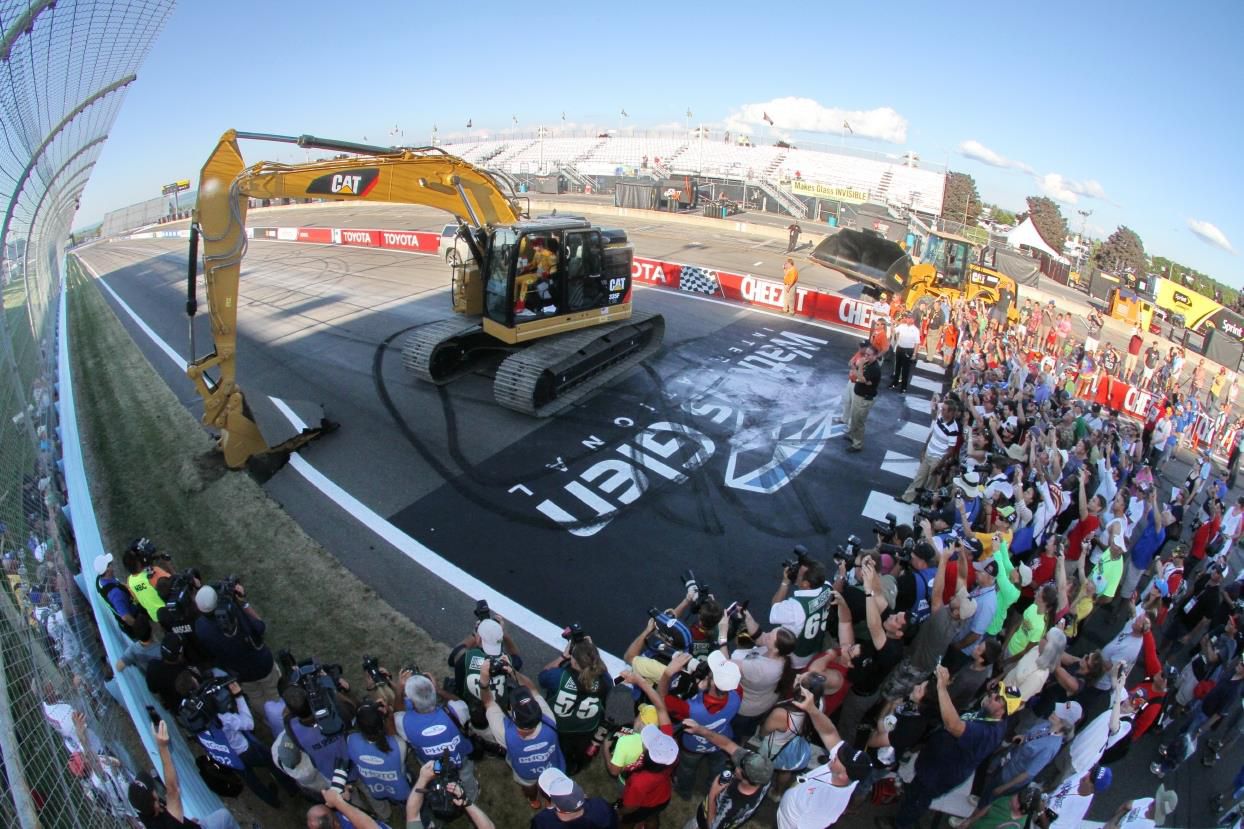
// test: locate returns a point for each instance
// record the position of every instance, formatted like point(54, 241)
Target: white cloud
point(1069, 191)
point(807, 115)
point(976, 150)
point(1210, 234)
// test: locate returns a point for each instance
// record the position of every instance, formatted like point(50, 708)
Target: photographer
point(378, 760)
point(414, 805)
point(117, 597)
point(339, 813)
point(231, 631)
point(488, 641)
point(145, 574)
point(217, 714)
point(326, 751)
point(432, 728)
point(167, 812)
point(763, 669)
point(529, 734)
point(806, 612)
point(575, 685)
point(823, 793)
point(878, 654)
point(163, 673)
point(783, 736)
point(708, 614)
point(736, 793)
point(715, 703)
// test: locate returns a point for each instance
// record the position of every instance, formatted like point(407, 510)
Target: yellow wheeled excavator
point(553, 294)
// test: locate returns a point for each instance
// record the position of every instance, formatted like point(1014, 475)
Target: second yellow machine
point(553, 293)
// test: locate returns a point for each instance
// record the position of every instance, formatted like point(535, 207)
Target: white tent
point(1026, 234)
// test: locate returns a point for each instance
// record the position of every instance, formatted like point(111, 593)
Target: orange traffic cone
point(520, 306)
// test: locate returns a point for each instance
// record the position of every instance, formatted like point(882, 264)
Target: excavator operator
point(536, 285)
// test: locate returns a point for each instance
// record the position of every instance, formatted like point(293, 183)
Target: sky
point(1129, 110)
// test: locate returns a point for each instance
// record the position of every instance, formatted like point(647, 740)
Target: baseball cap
point(855, 761)
point(924, 551)
point(967, 605)
point(1025, 575)
point(205, 599)
point(1011, 697)
point(660, 746)
point(1070, 712)
point(524, 708)
point(1102, 778)
point(726, 674)
point(757, 769)
point(553, 781)
point(421, 693)
point(170, 646)
point(490, 636)
point(974, 544)
point(571, 801)
point(1164, 803)
point(788, 615)
point(988, 566)
point(102, 562)
point(143, 795)
point(648, 714)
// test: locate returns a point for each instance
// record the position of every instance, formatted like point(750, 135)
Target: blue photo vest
point(216, 744)
point(921, 610)
point(719, 722)
point(382, 772)
point(532, 755)
point(325, 752)
point(434, 733)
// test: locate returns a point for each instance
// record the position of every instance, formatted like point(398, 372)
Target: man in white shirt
point(1231, 527)
point(821, 795)
point(906, 338)
point(1146, 812)
point(1157, 444)
point(943, 437)
point(1071, 800)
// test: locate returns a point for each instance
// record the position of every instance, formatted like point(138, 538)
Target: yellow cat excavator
point(553, 294)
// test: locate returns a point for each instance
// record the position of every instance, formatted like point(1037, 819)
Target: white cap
point(1025, 575)
point(1069, 712)
point(660, 746)
point(553, 781)
point(102, 562)
point(726, 674)
point(490, 636)
point(205, 599)
point(789, 615)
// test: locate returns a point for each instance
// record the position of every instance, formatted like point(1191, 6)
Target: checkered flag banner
point(698, 280)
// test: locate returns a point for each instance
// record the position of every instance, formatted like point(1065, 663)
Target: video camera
point(669, 637)
point(378, 675)
point(792, 565)
point(199, 711)
point(147, 553)
point(179, 596)
point(437, 796)
point(320, 683)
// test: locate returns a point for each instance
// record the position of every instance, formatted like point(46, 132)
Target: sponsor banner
point(263, 232)
point(655, 272)
point(847, 195)
point(356, 238)
point(412, 240)
point(287, 234)
point(322, 235)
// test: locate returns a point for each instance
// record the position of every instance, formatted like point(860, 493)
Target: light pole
point(1084, 214)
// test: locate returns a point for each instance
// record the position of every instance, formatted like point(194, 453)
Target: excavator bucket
point(863, 257)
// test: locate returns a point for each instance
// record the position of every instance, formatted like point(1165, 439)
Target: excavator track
point(442, 351)
point(550, 375)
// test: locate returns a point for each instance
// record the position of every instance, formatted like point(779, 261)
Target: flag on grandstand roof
point(767, 118)
point(847, 127)
point(624, 115)
point(468, 123)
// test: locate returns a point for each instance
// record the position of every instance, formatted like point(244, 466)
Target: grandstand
point(899, 181)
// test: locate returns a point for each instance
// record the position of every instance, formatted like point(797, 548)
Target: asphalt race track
point(718, 455)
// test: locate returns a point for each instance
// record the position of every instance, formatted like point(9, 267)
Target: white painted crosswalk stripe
point(914, 431)
point(879, 504)
point(900, 464)
point(925, 383)
point(919, 404)
point(932, 368)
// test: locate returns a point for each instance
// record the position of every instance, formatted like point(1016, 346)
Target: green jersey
point(815, 604)
point(576, 712)
point(472, 661)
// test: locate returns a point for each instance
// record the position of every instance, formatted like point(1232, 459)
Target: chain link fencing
point(63, 745)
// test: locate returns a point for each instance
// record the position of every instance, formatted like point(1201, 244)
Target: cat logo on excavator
point(346, 183)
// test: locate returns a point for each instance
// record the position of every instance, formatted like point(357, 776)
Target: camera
point(320, 683)
point(792, 565)
point(198, 711)
point(849, 552)
point(901, 552)
point(686, 683)
point(437, 796)
point(482, 610)
point(886, 531)
point(147, 552)
point(669, 636)
point(697, 589)
point(811, 683)
point(574, 633)
point(179, 607)
point(735, 620)
point(498, 665)
point(378, 675)
point(930, 498)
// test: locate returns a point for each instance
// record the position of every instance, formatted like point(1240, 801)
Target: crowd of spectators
point(1055, 603)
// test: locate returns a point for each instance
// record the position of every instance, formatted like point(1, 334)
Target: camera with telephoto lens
point(849, 552)
point(886, 532)
point(147, 552)
point(320, 683)
point(437, 796)
point(198, 711)
point(226, 612)
point(792, 565)
point(482, 610)
point(574, 633)
point(932, 498)
point(901, 552)
point(811, 683)
point(686, 683)
point(371, 667)
point(1032, 800)
point(697, 589)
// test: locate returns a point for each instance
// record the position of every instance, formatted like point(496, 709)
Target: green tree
point(1049, 221)
point(1001, 215)
point(960, 195)
point(1121, 252)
